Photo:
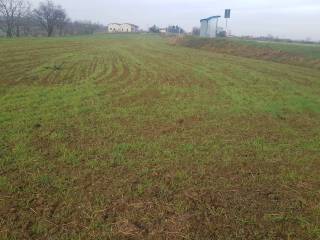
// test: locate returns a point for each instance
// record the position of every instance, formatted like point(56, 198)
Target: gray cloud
point(296, 19)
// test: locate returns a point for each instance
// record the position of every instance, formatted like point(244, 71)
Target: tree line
point(174, 29)
point(170, 29)
point(17, 18)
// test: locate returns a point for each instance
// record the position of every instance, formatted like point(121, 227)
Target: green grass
point(129, 137)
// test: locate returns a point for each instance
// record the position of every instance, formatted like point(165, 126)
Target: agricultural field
point(143, 137)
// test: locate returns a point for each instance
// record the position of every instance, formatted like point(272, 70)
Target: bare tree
point(50, 16)
point(26, 24)
point(83, 28)
point(11, 10)
point(154, 29)
point(22, 14)
point(17, 19)
point(196, 31)
point(62, 21)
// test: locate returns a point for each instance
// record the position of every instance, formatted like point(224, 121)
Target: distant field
point(134, 137)
point(307, 50)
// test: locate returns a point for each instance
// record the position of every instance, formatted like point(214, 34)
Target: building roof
point(124, 23)
point(131, 24)
point(209, 18)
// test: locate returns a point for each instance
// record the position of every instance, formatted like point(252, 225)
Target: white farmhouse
point(122, 28)
point(163, 30)
point(114, 27)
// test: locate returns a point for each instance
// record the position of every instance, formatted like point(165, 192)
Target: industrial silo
point(209, 27)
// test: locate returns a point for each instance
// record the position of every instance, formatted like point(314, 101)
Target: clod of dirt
point(180, 121)
point(55, 67)
point(37, 125)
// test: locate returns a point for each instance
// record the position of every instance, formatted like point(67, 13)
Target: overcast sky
point(297, 19)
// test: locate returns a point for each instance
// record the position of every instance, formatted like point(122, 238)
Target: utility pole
point(227, 15)
point(227, 26)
